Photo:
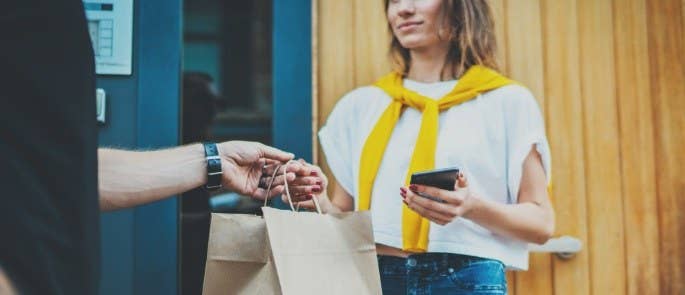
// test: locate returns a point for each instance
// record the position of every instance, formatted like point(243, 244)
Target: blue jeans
point(441, 273)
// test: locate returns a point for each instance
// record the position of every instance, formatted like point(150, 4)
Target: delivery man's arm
point(130, 178)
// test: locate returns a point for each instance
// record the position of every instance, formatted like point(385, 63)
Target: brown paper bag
point(239, 257)
point(323, 254)
point(292, 253)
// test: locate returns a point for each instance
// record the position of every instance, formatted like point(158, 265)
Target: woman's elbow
point(545, 231)
point(543, 235)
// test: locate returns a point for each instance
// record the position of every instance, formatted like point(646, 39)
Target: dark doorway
point(227, 95)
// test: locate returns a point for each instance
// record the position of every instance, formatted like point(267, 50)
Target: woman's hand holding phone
point(449, 204)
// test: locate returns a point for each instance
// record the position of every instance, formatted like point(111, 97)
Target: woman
point(445, 106)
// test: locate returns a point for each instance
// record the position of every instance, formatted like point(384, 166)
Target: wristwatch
point(214, 170)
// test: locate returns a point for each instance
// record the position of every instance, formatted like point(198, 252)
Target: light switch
point(101, 105)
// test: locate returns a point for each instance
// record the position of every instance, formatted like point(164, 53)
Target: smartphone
point(444, 178)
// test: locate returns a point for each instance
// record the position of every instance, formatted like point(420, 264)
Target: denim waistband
point(427, 263)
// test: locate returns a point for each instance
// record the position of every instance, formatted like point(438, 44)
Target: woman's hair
point(471, 36)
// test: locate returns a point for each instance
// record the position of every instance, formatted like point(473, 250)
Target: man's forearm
point(130, 178)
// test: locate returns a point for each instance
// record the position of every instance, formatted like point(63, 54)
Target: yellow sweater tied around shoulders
point(477, 80)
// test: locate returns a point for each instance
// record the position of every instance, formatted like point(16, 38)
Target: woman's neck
point(428, 64)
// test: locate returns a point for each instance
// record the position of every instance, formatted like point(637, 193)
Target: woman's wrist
point(326, 205)
point(475, 205)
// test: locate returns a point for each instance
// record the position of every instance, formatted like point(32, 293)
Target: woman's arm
point(530, 220)
point(340, 200)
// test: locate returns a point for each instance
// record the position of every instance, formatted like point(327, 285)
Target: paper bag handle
point(287, 191)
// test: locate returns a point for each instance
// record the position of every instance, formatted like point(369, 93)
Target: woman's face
point(417, 23)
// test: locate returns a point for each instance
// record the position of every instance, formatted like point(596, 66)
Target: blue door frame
point(292, 76)
point(159, 92)
point(139, 249)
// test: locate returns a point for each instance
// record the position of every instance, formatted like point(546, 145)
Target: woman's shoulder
point(512, 96)
point(365, 93)
point(363, 97)
point(511, 92)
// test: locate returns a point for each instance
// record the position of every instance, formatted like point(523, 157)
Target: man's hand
point(243, 165)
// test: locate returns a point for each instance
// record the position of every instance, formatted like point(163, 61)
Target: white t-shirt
point(488, 138)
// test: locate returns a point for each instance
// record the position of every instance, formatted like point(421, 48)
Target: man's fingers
point(260, 193)
point(276, 191)
point(270, 168)
point(273, 153)
point(265, 180)
point(300, 168)
point(290, 177)
point(273, 181)
point(272, 162)
point(271, 165)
